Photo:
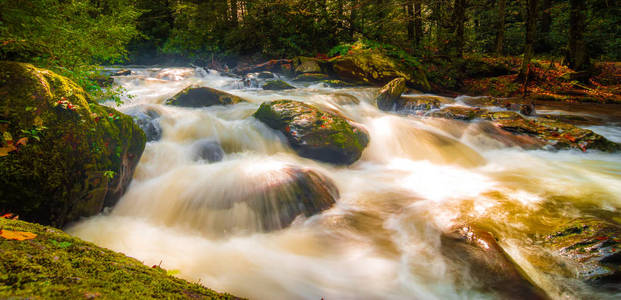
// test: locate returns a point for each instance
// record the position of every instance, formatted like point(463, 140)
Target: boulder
point(376, 68)
point(307, 65)
point(62, 155)
point(313, 133)
point(525, 107)
point(420, 103)
point(148, 120)
point(477, 251)
point(275, 65)
point(195, 96)
point(389, 93)
point(591, 249)
point(277, 197)
point(311, 77)
point(207, 149)
point(344, 99)
point(277, 85)
point(464, 113)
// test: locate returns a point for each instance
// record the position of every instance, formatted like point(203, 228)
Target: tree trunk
point(418, 21)
point(234, 13)
point(500, 35)
point(409, 8)
point(578, 58)
point(459, 18)
point(531, 30)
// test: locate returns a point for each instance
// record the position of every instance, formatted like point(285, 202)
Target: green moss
point(55, 265)
point(337, 83)
point(277, 85)
point(58, 175)
point(314, 133)
point(200, 96)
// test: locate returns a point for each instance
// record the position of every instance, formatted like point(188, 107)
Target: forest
point(298, 149)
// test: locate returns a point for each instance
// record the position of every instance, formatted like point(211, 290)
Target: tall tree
point(500, 34)
point(459, 18)
point(578, 58)
point(409, 8)
point(418, 21)
point(529, 40)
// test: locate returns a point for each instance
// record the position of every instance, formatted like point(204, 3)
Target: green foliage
point(69, 37)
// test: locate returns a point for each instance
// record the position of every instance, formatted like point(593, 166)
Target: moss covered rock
point(464, 113)
point(55, 265)
point(591, 249)
point(374, 67)
point(71, 156)
point(420, 103)
point(201, 96)
point(277, 85)
point(389, 93)
point(313, 133)
point(335, 83)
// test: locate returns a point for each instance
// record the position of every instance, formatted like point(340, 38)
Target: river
point(417, 178)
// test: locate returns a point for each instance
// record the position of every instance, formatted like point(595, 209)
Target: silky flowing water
point(417, 178)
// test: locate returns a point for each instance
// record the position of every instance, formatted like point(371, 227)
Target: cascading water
point(417, 178)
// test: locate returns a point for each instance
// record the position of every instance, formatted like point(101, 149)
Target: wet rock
point(494, 271)
point(592, 249)
point(275, 65)
point(420, 103)
point(122, 72)
point(390, 93)
point(311, 77)
point(148, 120)
point(335, 83)
point(374, 67)
point(207, 149)
point(195, 96)
point(313, 133)
point(277, 85)
point(344, 99)
point(266, 75)
point(307, 65)
point(103, 80)
point(525, 107)
point(79, 156)
point(463, 113)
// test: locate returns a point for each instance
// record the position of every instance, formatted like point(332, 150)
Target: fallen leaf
point(4, 151)
point(7, 216)
point(7, 136)
point(17, 235)
point(22, 141)
point(38, 121)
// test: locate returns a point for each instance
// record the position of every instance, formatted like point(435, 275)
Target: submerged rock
point(195, 96)
point(591, 248)
point(390, 93)
point(277, 198)
point(344, 99)
point(266, 75)
point(148, 120)
point(207, 149)
point(69, 156)
point(277, 85)
point(313, 133)
point(472, 249)
point(122, 72)
point(420, 103)
point(55, 265)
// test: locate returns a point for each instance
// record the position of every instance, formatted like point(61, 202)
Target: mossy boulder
point(313, 133)
point(477, 251)
point(148, 120)
point(307, 65)
point(464, 113)
point(591, 249)
point(55, 265)
point(420, 103)
point(376, 68)
point(389, 93)
point(277, 85)
point(201, 96)
point(79, 156)
point(311, 77)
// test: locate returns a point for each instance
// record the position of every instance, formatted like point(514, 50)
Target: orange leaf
point(17, 235)
point(22, 141)
point(4, 151)
point(7, 216)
